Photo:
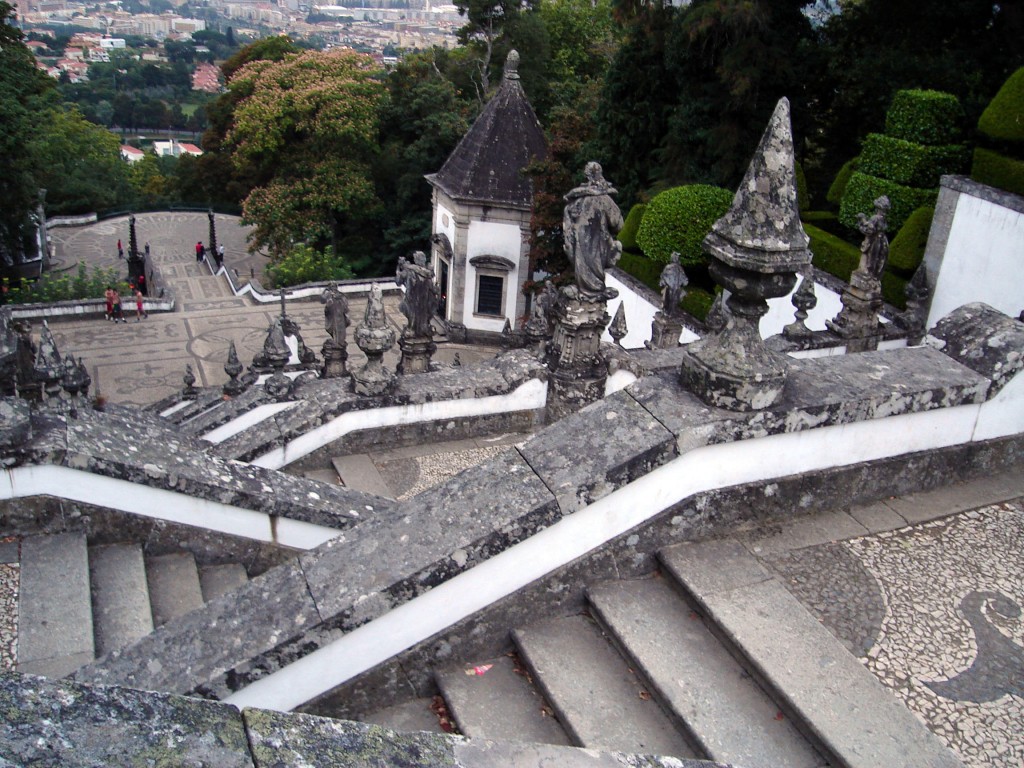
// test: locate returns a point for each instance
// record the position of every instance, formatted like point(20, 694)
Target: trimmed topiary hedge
point(1003, 118)
point(835, 192)
point(697, 302)
point(998, 171)
point(627, 235)
point(832, 254)
point(678, 219)
point(909, 163)
point(925, 117)
point(643, 269)
point(863, 190)
point(907, 249)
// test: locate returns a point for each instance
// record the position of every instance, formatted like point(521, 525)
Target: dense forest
point(325, 149)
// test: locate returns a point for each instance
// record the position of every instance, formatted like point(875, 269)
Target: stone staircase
point(668, 665)
point(79, 602)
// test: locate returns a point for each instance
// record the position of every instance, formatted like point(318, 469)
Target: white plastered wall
point(490, 238)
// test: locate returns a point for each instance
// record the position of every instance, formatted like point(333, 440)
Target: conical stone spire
point(754, 252)
point(762, 230)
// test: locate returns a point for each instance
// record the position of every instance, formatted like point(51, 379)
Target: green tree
point(309, 123)
point(303, 264)
point(486, 22)
point(80, 163)
point(420, 124)
point(23, 91)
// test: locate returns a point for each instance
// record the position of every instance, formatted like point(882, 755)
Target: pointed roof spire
point(487, 164)
point(762, 229)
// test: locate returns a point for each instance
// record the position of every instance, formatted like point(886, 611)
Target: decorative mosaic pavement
point(934, 610)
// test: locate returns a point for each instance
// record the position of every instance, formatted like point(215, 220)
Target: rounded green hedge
point(1003, 118)
point(627, 235)
point(863, 190)
point(832, 254)
point(925, 117)
point(907, 249)
point(835, 192)
point(678, 219)
point(998, 171)
point(910, 163)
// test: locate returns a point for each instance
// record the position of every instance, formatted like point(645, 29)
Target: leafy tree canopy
point(310, 123)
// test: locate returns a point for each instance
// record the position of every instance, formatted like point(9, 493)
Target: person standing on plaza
point(116, 312)
point(139, 311)
point(109, 296)
point(120, 249)
point(200, 250)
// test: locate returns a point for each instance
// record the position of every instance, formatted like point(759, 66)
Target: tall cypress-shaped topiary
point(999, 158)
point(919, 146)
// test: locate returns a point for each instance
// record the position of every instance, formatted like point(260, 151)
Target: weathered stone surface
point(983, 339)
point(435, 536)
point(599, 449)
point(180, 656)
point(61, 723)
point(821, 392)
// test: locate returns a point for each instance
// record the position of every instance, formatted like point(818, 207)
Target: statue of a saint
point(335, 313)
point(542, 309)
point(874, 249)
point(591, 221)
point(673, 280)
point(421, 293)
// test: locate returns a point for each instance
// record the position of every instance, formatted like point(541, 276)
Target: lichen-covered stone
point(64, 725)
point(983, 339)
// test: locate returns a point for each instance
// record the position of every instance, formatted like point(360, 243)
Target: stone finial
point(512, 65)
point(754, 252)
point(374, 337)
point(189, 379)
point(762, 230)
point(618, 329)
point(804, 301)
point(233, 368)
point(49, 366)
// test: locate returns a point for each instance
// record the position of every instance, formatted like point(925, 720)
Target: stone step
point(217, 580)
point(55, 632)
point(408, 716)
point(599, 701)
point(496, 700)
point(728, 715)
point(120, 596)
point(174, 588)
point(855, 720)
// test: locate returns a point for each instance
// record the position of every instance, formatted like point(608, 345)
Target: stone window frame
point(491, 266)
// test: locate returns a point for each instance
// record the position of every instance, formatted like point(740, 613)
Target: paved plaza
point(142, 362)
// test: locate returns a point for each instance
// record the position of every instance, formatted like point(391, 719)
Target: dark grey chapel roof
point(486, 166)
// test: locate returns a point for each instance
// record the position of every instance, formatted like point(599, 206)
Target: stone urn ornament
point(374, 337)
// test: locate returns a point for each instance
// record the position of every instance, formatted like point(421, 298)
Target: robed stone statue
point(589, 226)
point(421, 293)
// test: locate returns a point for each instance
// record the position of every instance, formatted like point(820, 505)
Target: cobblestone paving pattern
point(934, 610)
point(9, 579)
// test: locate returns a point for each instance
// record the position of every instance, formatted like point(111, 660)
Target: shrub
point(835, 192)
point(1003, 118)
point(803, 197)
point(832, 254)
point(998, 171)
point(697, 302)
point(643, 269)
point(303, 264)
point(820, 216)
point(63, 287)
point(907, 249)
point(627, 235)
point(863, 190)
point(925, 117)
point(678, 219)
point(909, 163)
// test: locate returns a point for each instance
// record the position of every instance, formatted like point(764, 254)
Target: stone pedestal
point(15, 427)
point(858, 323)
point(734, 369)
point(578, 371)
point(665, 331)
point(373, 379)
point(335, 357)
point(417, 352)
